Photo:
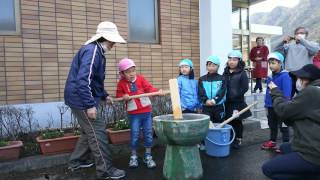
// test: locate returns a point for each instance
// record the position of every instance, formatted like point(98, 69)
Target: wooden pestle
point(175, 99)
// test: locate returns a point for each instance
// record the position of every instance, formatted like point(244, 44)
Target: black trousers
point(238, 127)
point(274, 124)
point(294, 89)
point(290, 165)
point(216, 113)
point(258, 84)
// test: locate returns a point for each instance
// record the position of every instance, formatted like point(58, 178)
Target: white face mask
point(302, 36)
point(299, 85)
point(104, 46)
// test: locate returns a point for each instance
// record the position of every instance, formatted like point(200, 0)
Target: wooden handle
point(175, 99)
point(143, 95)
point(236, 115)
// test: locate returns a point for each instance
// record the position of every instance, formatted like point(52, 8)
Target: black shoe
point(261, 90)
point(237, 143)
point(113, 173)
point(81, 165)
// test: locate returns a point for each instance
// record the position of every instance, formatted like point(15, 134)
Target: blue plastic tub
point(218, 141)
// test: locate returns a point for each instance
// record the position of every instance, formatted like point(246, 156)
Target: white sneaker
point(201, 147)
point(149, 162)
point(133, 163)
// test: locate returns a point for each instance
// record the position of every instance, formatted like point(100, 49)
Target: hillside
point(306, 13)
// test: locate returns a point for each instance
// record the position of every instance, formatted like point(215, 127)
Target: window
point(244, 18)
point(143, 21)
point(236, 42)
point(241, 43)
point(10, 17)
point(235, 18)
point(240, 25)
point(240, 19)
point(245, 47)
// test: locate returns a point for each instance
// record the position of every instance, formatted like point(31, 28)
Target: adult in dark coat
point(300, 159)
point(85, 94)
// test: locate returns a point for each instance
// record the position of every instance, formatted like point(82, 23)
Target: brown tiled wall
point(35, 64)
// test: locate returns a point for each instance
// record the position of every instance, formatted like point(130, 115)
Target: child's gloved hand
point(272, 85)
point(213, 102)
point(235, 113)
point(161, 93)
point(126, 97)
point(209, 102)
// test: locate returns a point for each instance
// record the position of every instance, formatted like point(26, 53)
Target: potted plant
point(58, 141)
point(10, 150)
point(119, 133)
point(11, 121)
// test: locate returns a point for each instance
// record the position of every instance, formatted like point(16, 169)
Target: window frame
point(156, 20)
point(243, 33)
point(17, 20)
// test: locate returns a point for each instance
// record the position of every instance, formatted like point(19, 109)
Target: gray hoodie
point(298, 54)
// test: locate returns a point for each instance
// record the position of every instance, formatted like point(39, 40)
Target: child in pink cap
point(139, 109)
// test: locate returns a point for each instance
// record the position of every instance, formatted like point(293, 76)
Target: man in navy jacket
point(84, 94)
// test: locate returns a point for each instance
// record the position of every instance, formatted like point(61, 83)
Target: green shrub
point(3, 143)
point(52, 134)
point(76, 132)
point(121, 125)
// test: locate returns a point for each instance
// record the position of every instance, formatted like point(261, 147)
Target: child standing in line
point(188, 87)
point(282, 79)
point(237, 86)
point(139, 110)
point(212, 91)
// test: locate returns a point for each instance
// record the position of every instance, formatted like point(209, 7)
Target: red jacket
point(316, 60)
point(260, 68)
point(138, 105)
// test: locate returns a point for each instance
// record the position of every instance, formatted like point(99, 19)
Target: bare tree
point(12, 122)
point(49, 121)
point(31, 122)
point(73, 122)
point(62, 109)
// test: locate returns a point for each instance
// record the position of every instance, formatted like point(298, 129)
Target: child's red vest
point(138, 105)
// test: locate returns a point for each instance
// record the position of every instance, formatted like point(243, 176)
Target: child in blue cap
point(212, 91)
point(283, 80)
point(188, 87)
point(237, 86)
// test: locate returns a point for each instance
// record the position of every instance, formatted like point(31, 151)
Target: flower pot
point(119, 136)
point(11, 151)
point(59, 145)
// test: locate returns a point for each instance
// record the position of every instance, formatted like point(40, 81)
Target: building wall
point(35, 64)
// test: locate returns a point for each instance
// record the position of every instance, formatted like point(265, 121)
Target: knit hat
point(187, 62)
point(235, 54)
point(276, 55)
point(214, 59)
point(308, 71)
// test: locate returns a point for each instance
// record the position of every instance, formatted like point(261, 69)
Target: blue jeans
point(290, 165)
point(138, 121)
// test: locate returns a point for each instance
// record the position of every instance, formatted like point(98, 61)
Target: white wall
point(48, 112)
point(215, 31)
